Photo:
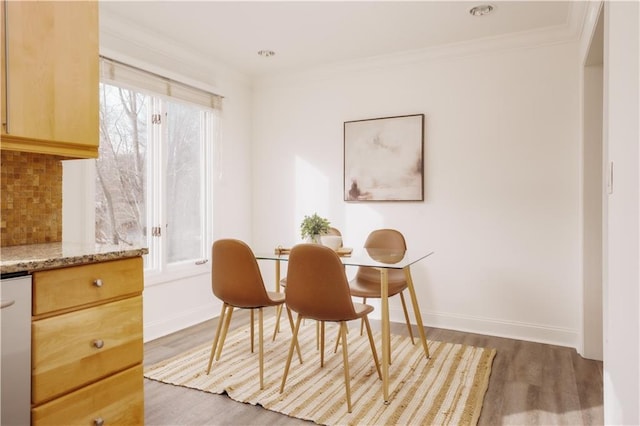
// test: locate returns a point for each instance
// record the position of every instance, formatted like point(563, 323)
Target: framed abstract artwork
point(383, 159)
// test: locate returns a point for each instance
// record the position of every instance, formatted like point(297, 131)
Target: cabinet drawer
point(118, 399)
point(65, 288)
point(74, 349)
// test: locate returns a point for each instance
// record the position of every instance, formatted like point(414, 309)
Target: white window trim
point(78, 208)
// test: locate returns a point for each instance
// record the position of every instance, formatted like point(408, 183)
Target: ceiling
point(306, 34)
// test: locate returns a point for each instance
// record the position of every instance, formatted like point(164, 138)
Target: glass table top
point(378, 258)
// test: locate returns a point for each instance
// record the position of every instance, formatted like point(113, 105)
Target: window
point(153, 173)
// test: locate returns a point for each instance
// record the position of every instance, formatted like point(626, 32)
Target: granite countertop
point(36, 257)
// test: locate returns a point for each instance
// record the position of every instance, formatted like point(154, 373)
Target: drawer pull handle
point(98, 282)
point(98, 343)
point(99, 421)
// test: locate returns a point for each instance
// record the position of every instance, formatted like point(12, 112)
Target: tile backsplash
point(31, 197)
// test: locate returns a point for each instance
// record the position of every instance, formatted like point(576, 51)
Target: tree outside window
point(152, 174)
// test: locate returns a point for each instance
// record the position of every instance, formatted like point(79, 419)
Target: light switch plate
point(610, 178)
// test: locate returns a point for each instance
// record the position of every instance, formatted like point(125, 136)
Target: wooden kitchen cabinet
point(87, 344)
point(50, 77)
point(117, 399)
point(60, 290)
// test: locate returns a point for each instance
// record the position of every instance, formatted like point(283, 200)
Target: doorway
point(593, 200)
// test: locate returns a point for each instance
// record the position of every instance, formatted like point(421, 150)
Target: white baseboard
point(167, 325)
point(465, 323)
point(494, 327)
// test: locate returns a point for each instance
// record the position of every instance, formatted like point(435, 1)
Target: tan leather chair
point(366, 283)
point(317, 288)
point(283, 284)
point(236, 280)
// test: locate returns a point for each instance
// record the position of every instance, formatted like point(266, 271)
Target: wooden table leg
point(384, 300)
point(279, 307)
point(416, 310)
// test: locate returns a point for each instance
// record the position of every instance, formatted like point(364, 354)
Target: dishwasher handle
point(6, 304)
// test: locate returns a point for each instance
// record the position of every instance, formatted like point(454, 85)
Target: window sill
point(175, 273)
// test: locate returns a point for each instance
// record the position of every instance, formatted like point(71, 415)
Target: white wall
point(501, 178)
point(622, 255)
point(172, 303)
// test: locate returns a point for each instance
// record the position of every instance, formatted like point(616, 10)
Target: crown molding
point(124, 40)
point(578, 14)
point(588, 26)
point(568, 32)
point(116, 32)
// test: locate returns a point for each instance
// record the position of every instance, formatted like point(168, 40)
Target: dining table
point(382, 260)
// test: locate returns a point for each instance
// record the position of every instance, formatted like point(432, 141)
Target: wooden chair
point(317, 288)
point(366, 283)
point(236, 280)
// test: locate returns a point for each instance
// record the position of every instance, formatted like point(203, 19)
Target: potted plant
point(312, 227)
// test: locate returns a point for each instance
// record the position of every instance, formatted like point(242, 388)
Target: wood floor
point(531, 384)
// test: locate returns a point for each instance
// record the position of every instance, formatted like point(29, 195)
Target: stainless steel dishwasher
point(15, 348)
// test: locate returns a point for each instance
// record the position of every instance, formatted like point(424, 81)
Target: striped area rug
point(448, 388)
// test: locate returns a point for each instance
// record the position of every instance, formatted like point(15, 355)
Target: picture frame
point(384, 159)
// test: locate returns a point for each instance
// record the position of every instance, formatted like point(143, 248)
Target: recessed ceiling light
point(266, 53)
point(481, 10)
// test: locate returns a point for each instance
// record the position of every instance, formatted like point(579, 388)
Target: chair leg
point(335, 348)
point(252, 321)
point(217, 336)
point(365, 319)
point(345, 360)
point(294, 342)
point(406, 317)
point(261, 348)
point(364, 301)
point(292, 327)
point(225, 329)
point(321, 342)
point(276, 329)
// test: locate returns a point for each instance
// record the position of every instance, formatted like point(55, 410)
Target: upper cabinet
point(50, 77)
